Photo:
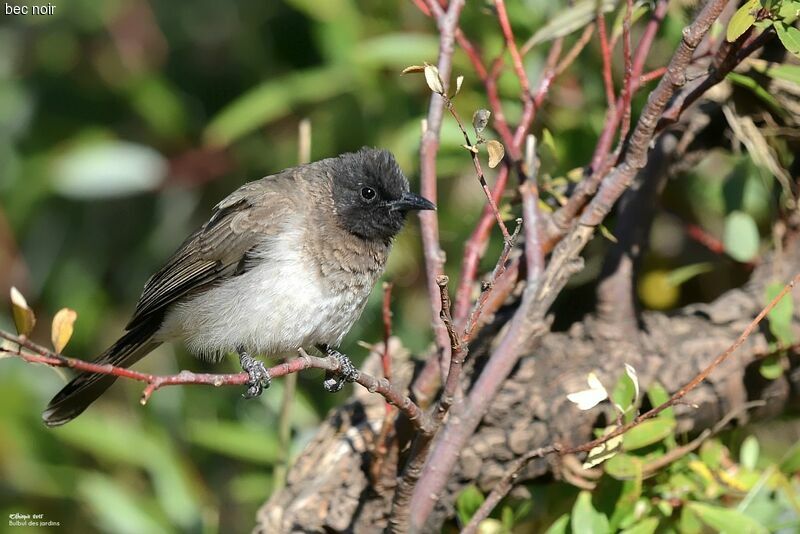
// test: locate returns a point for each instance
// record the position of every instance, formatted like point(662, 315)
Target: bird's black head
point(370, 194)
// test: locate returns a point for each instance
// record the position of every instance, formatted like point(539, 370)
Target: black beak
point(410, 201)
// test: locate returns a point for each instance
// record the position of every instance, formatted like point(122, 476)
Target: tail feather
point(85, 388)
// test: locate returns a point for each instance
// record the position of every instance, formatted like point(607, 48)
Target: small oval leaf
point(433, 80)
point(789, 36)
point(496, 152)
point(624, 467)
point(726, 519)
point(742, 20)
point(459, 81)
point(480, 119)
point(24, 319)
point(740, 238)
point(62, 328)
point(647, 433)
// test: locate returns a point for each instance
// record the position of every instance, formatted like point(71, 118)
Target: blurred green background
point(122, 122)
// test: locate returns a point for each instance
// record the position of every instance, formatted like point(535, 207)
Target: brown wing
point(219, 249)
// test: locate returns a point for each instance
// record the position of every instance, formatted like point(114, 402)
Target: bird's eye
point(367, 193)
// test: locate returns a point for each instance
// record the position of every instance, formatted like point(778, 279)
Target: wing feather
point(218, 250)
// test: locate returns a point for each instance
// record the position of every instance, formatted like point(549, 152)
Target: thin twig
point(605, 52)
point(516, 58)
point(573, 53)
point(476, 162)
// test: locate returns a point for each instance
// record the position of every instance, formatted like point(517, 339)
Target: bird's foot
point(347, 372)
point(259, 375)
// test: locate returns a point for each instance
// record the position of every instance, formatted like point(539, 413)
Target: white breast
point(275, 307)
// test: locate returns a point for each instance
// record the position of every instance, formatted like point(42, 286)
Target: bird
point(284, 262)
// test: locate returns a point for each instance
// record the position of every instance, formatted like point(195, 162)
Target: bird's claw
point(258, 373)
point(347, 372)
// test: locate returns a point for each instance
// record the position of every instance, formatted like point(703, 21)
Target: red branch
point(605, 52)
point(38, 354)
point(516, 58)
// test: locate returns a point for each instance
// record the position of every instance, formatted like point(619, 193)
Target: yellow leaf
point(62, 328)
point(24, 319)
point(496, 152)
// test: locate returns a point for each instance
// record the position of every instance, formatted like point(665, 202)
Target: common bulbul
point(284, 262)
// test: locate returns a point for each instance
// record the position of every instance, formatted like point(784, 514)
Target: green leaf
point(585, 519)
point(740, 238)
point(274, 99)
point(711, 453)
point(772, 367)
point(780, 317)
point(559, 526)
point(748, 452)
point(658, 396)
point(569, 20)
point(624, 394)
point(689, 523)
point(789, 11)
point(468, 502)
point(780, 71)
point(647, 433)
point(744, 17)
point(507, 518)
point(790, 463)
point(726, 520)
point(756, 88)
point(683, 274)
point(789, 36)
point(624, 467)
point(646, 526)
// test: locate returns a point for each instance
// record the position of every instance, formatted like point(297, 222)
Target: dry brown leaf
point(413, 69)
point(496, 152)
